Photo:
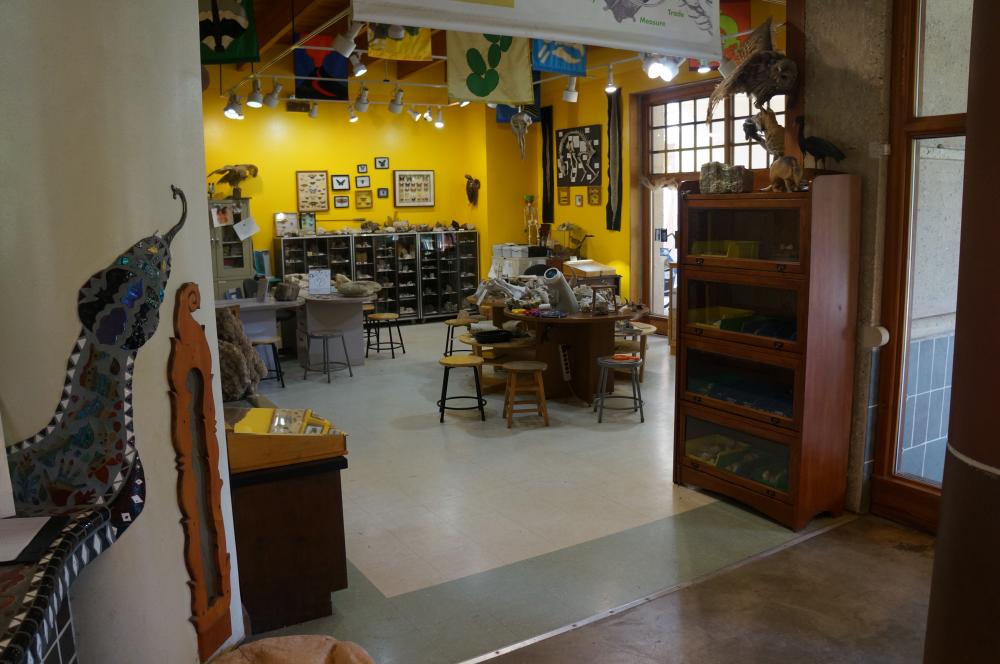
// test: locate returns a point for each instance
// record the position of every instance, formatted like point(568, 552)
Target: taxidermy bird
point(234, 175)
point(818, 148)
point(762, 73)
point(751, 132)
point(472, 190)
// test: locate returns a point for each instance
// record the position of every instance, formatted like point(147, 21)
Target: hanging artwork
point(559, 57)
point(321, 62)
point(415, 46)
point(307, 223)
point(563, 195)
point(734, 19)
point(340, 182)
point(199, 485)
point(414, 188)
point(489, 68)
point(228, 32)
point(593, 195)
point(341, 202)
point(614, 207)
point(310, 186)
point(86, 455)
point(578, 156)
point(381, 163)
point(363, 199)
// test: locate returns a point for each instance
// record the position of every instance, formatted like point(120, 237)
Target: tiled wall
point(928, 406)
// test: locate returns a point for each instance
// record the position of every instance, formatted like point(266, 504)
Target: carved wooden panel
point(199, 485)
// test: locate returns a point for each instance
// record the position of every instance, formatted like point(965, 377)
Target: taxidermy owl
point(762, 72)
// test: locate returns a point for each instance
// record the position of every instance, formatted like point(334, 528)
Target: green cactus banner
point(489, 68)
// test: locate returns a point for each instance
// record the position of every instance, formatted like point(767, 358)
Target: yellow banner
point(413, 47)
point(489, 68)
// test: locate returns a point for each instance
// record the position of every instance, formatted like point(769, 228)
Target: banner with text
point(685, 28)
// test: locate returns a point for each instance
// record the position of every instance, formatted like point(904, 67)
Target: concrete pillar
point(962, 625)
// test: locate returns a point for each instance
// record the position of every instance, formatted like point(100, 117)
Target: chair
point(458, 362)
point(449, 340)
point(272, 343)
point(605, 366)
point(380, 322)
point(634, 341)
point(515, 386)
point(324, 335)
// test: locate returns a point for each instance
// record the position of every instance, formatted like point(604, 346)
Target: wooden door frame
point(899, 498)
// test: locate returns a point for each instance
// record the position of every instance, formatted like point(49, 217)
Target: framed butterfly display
point(311, 191)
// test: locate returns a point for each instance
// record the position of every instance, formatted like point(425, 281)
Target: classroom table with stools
point(570, 347)
point(515, 386)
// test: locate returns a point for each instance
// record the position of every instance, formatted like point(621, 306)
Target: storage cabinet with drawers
point(766, 318)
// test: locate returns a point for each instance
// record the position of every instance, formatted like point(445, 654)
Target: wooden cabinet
point(766, 320)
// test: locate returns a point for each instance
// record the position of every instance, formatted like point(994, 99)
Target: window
point(745, 152)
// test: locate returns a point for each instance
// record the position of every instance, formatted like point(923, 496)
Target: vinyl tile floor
point(465, 536)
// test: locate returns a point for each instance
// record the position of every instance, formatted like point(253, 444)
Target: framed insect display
point(383, 192)
point(381, 163)
point(312, 194)
point(414, 188)
point(362, 182)
point(340, 202)
point(340, 182)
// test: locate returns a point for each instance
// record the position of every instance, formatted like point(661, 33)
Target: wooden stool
point(535, 386)
point(273, 342)
point(449, 340)
point(608, 364)
point(386, 321)
point(626, 342)
point(365, 310)
point(327, 364)
point(456, 362)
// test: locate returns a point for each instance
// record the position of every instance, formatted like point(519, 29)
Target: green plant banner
point(489, 68)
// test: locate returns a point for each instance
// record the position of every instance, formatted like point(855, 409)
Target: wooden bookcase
point(767, 307)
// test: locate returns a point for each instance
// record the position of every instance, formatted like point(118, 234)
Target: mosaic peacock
point(86, 456)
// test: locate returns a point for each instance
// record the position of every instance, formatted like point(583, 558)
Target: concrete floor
point(856, 593)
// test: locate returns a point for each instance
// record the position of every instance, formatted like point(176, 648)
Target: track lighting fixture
point(397, 32)
point(464, 103)
point(415, 114)
point(313, 110)
point(439, 123)
point(361, 103)
point(351, 115)
point(704, 67)
point(396, 105)
point(427, 114)
point(344, 43)
point(669, 69)
point(570, 95)
point(491, 104)
point(234, 108)
point(256, 98)
point(360, 68)
point(271, 98)
point(611, 87)
point(658, 66)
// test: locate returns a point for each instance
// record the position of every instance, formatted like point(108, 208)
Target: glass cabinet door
point(430, 298)
point(760, 389)
point(767, 312)
point(746, 237)
point(753, 460)
point(448, 280)
point(340, 255)
point(406, 261)
point(385, 272)
point(364, 258)
point(233, 255)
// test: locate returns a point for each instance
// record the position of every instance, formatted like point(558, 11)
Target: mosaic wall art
point(85, 457)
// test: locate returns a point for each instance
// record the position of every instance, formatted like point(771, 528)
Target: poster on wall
point(310, 187)
point(228, 32)
point(489, 68)
point(559, 57)
point(578, 156)
point(414, 188)
point(320, 62)
point(684, 28)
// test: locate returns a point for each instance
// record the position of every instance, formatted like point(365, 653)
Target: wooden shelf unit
point(767, 308)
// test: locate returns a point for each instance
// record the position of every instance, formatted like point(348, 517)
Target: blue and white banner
point(683, 28)
point(559, 57)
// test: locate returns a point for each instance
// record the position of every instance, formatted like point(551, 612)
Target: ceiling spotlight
point(491, 104)
point(428, 115)
point(272, 97)
point(704, 67)
point(256, 98)
point(397, 32)
point(570, 95)
point(351, 115)
point(415, 114)
point(439, 123)
point(313, 110)
point(344, 43)
point(668, 69)
point(652, 65)
point(396, 105)
point(360, 69)
point(234, 108)
point(611, 87)
point(362, 101)
point(464, 103)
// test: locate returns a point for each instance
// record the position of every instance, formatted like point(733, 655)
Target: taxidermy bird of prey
point(762, 73)
point(234, 175)
point(472, 189)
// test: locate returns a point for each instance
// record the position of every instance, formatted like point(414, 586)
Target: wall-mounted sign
point(685, 28)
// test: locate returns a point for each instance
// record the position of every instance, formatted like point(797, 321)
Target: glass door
point(923, 228)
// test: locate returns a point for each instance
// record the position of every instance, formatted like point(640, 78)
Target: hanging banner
point(228, 32)
point(320, 64)
point(489, 68)
point(684, 28)
point(734, 19)
point(415, 46)
point(559, 57)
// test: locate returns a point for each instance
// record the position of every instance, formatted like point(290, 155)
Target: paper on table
point(246, 228)
point(319, 282)
point(17, 533)
point(6, 490)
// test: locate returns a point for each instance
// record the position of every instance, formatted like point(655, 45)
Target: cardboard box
point(587, 268)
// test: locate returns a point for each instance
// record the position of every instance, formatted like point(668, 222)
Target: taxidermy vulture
point(472, 190)
point(234, 175)
point(762, 72)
